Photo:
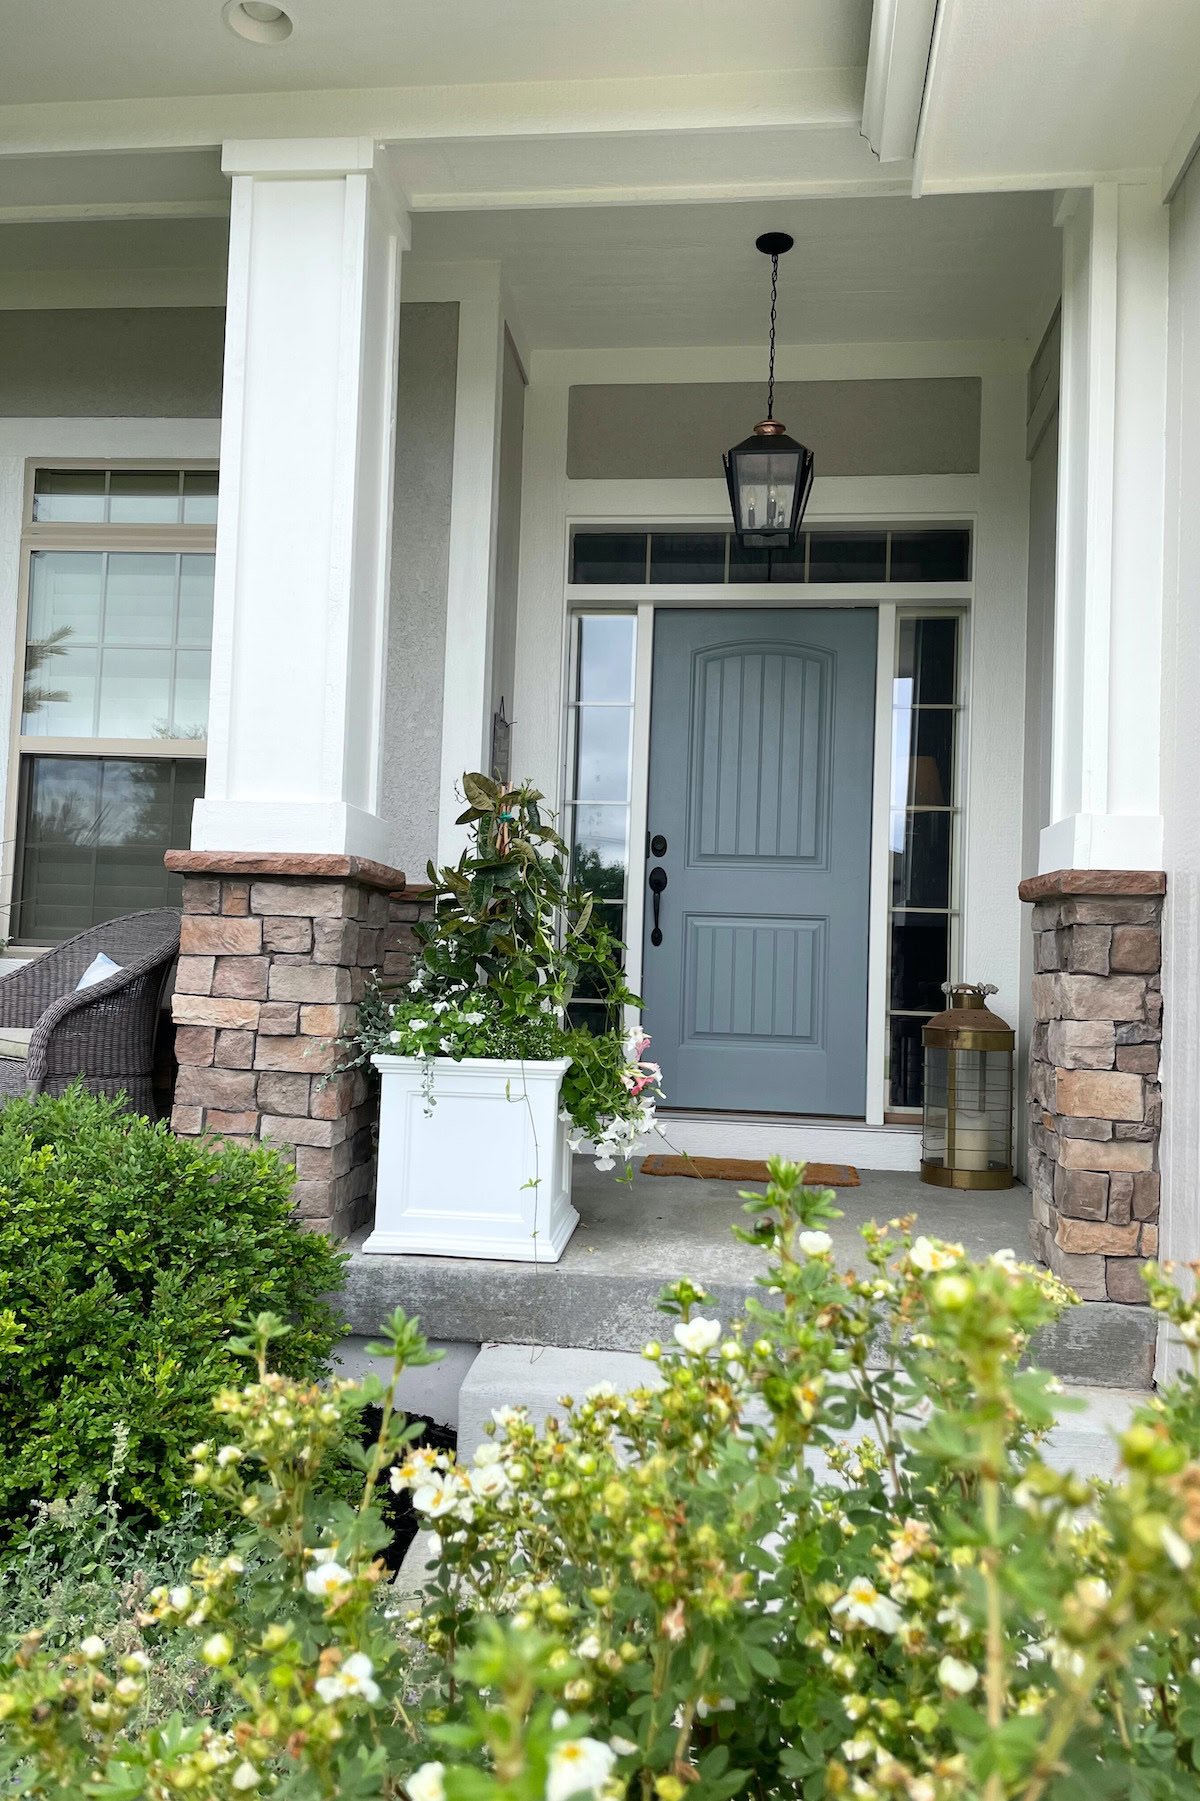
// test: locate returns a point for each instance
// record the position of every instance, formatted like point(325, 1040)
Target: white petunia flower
point(698, 1335)
point(355, 1677)
point(959, 1677)
point(815, 1244)
point(581, 1766)
point(474, 1019)
point(418, 1025)
point(864, 1605)
point(426, 1784)
point(326, 1578)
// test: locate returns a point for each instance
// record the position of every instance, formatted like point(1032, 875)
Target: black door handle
point(658, 881)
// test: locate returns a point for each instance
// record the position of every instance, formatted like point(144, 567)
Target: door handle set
point(658, 881)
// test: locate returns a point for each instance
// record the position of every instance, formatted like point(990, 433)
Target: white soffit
point(1035, 94)
point(73, 50)
point(874, 270)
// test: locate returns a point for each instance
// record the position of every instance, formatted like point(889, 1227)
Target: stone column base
point(1095, 1103)
point(275, 951)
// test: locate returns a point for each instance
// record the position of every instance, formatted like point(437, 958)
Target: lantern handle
point(984, 988)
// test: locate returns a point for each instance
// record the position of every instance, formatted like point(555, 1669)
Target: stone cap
point(303, 865)
point(1059, 882)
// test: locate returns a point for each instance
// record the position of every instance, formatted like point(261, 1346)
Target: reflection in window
point(598, 779)
point(125, 497)
point(92, 832)
point(923, 827)
point(618, 558)
point(105, 653)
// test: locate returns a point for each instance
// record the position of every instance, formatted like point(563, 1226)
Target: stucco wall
point(1181, 739)
point(678, 431)
point(116, 363)
point(420, 561)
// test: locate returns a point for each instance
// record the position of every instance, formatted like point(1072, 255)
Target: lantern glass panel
point(766, 483)
point(968, 1115)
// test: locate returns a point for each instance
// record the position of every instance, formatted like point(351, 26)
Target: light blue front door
point(761, 744)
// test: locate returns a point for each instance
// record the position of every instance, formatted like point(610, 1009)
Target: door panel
point(761, 742)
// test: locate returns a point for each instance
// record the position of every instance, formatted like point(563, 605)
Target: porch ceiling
point(864, 270)
point(78, 50)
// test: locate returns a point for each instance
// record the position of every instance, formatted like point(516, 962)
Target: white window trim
point(85, 443)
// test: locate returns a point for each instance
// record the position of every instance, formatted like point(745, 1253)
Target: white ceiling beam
point(901, 34)
point(726, 102)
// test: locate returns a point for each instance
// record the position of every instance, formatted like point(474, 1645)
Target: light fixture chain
point(771, 372)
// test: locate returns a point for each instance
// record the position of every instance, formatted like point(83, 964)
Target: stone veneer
point(275, 951)
point(1095, 1102)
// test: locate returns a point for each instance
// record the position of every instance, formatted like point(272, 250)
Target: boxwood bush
point(127, 1258)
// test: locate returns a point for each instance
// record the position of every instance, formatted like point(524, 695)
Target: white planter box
point(457, 1181)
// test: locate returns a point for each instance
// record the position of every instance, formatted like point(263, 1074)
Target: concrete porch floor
point(632, 1239)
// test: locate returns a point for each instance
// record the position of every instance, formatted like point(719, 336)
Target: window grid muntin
point(96, 535)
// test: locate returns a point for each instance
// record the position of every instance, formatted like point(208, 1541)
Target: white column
point(1105, 801)
point(304, 527)
point(471, 569)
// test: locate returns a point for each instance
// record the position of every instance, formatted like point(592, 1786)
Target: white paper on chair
point(97, 970)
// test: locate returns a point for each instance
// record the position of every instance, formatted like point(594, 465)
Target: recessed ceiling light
point(256, 21)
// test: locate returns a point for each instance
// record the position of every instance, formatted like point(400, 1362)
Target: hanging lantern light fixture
point(769, 474)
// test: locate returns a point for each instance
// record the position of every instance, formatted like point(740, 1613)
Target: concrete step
point(634, 1239)
point(537, 1376)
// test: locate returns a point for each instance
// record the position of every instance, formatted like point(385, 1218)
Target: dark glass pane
point(927, 660)
point(933, 556)
point(200, 497)
point(608, 557)
point(588, 987)
point(590, 1015)
point(748, 564)
point(68, 496)
point(787, 565)
point(606, 657)
point(143, 497)
point(598, 861)
point(92, 835)
point(687, 556)
point(921, 869)
point(920, 960)
point(847, 556)
point(906, 1066)
point(928, 779)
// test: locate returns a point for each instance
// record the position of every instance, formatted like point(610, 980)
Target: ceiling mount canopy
point(769, 474)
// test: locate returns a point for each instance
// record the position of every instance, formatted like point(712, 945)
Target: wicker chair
point(105, 1032)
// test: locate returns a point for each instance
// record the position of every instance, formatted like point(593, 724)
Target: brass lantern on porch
point(967, 1127)
point(769, 474)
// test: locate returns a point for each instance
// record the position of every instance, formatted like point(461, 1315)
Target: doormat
point(746, 1169)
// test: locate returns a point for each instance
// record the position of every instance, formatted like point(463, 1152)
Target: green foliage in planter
point(511, 943)
point(127, 1257)
point(823, 1557)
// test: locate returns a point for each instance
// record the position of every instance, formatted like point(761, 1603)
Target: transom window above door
point(112, 717)
point(614, 556)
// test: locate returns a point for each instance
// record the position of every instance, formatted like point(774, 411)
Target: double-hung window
point(112, 709)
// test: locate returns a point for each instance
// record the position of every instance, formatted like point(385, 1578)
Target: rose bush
point(820, 1553)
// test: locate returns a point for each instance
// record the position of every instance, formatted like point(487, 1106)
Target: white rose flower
point(863, 1605)
point(624, 1747)
point(507, 1417)
point(855, 1749)
point(928, 1257)
point(580, 1766)
point(426, 1784)
point(228, 1454)
point(815, 1244)
point(698, 1335)
point(490, 1480)
point(92, 1647)
point(488, 1452)
point(180, 1596)
point(217, 1650)
point(245, 1777)
point(326, 1578)
point(959, 1677)
point(354, 1677)
point(588, 1647)
point(438, 1495)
